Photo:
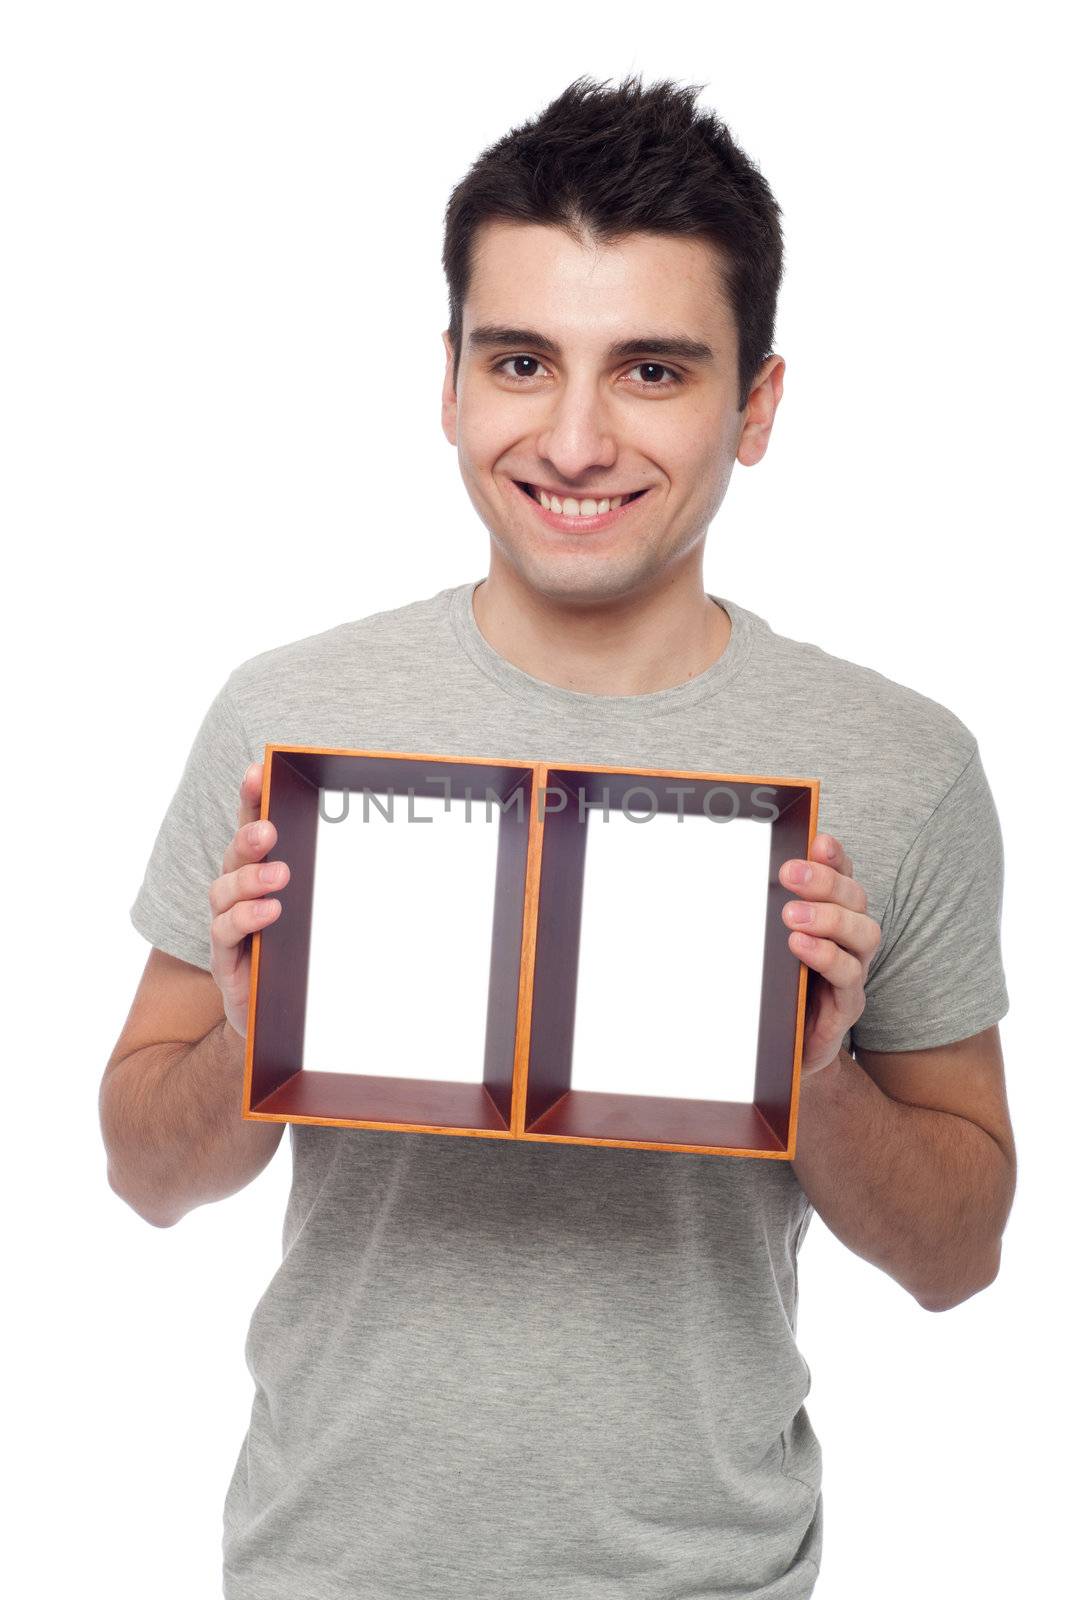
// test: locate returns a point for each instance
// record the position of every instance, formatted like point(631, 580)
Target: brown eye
point(520, 362)
point(656, 370)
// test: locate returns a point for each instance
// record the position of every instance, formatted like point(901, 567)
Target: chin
point(579, 579)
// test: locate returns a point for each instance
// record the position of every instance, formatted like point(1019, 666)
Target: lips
point(578, 526)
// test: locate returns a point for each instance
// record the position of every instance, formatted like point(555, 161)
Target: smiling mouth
point(576, 506)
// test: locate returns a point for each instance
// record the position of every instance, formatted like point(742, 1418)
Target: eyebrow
point(490, 335)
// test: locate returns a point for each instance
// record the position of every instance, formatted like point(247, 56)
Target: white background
point(221, 364)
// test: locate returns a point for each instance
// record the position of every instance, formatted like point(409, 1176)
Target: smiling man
point(496, 1371)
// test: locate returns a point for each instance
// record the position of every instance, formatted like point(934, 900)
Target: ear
point(450, 399)
point(764, 397)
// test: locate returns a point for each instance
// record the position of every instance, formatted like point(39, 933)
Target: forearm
point(172, 1125)
point(922, 1194)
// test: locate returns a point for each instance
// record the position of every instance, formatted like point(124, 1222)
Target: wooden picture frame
point(524, 1091)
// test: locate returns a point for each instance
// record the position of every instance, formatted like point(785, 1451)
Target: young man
point(439, 1411)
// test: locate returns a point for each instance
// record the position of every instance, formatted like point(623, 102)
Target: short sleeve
point(171, 909)
point(938, 973)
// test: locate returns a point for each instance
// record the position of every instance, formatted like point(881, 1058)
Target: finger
point(831, 853)
point(833, 1013)
point(250, 843)
point(823, 883)
point(247, 883)
point(244, 917)
point(249, 799)
point(841, 971)
point(229, 932)
point(851, 930)
point(250, 793)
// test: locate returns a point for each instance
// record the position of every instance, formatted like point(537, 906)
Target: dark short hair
point(602, 163)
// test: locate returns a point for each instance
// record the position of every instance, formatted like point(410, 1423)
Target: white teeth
point(571, 507)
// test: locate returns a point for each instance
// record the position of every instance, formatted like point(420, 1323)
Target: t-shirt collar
point(635, 707)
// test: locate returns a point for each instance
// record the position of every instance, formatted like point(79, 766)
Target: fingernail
point(801, 913)
point(799, 872)
point(271, 871)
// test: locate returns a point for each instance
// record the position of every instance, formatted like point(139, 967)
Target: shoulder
point(349, 653)
point(865, 717)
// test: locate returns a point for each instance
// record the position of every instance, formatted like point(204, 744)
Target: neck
point(623, 645)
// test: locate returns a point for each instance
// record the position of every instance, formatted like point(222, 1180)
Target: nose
point(579, 435)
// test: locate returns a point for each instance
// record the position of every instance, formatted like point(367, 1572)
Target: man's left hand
point(837, 941)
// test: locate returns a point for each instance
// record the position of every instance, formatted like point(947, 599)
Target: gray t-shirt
point(488, 1370)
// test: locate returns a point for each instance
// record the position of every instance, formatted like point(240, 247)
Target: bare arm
point(907, 1156)
point(171, 1113)
point(915, 1172)
point(170, 1102)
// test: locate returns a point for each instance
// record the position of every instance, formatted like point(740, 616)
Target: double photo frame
point(531, 942)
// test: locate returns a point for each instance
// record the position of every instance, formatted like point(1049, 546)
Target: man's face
point(555, 402)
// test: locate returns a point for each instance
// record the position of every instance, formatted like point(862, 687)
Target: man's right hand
point(238, 903)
